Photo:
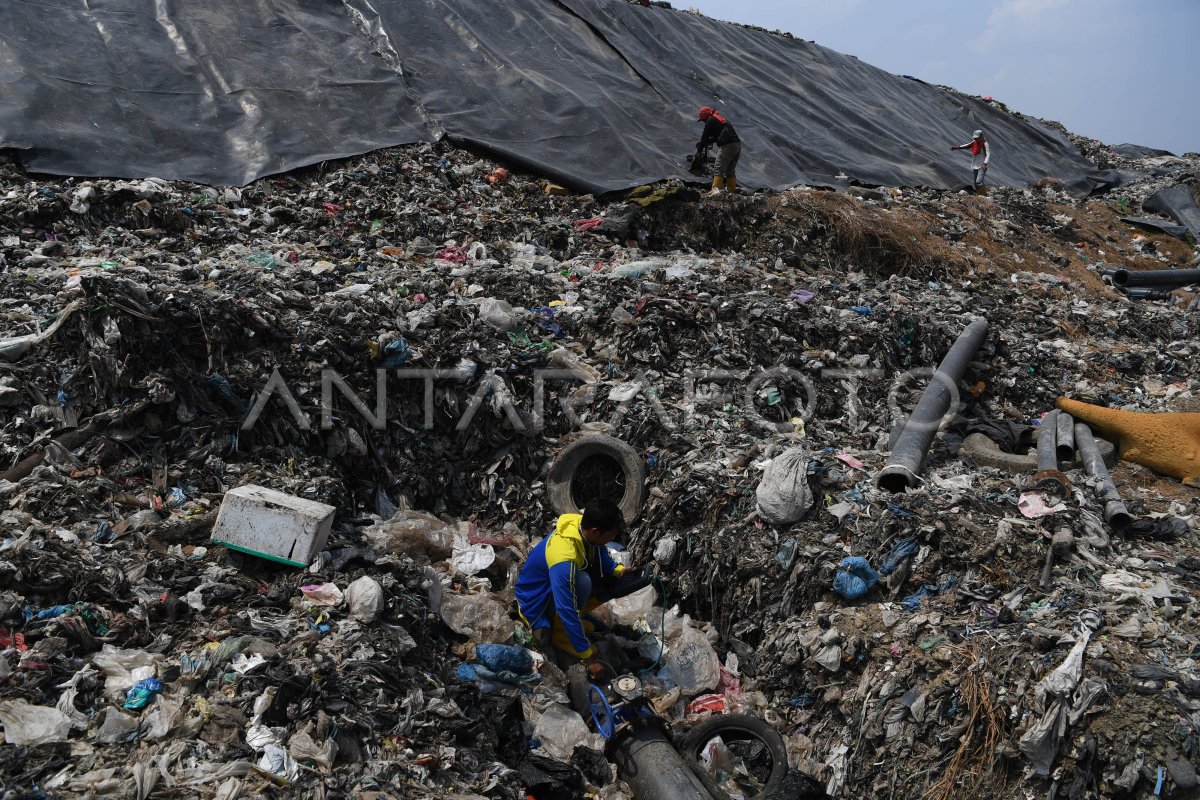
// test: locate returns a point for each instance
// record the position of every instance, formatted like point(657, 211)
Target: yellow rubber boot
point(1167, 443)
point(718, 184)
point(731, 185)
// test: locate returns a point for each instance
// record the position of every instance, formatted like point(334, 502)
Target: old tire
point(597, 449)
point(731, 728)
point(979, 449)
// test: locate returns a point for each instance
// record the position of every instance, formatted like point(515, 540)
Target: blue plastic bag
point(53, 612)
point(504, 658)
point(491, 680)
point(913, 601)
point(395, 353)
point(142, 692)
point(854, 577)
point(903, 549)
point(220, 385)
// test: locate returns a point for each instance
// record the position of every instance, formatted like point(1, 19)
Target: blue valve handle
point(602, 712)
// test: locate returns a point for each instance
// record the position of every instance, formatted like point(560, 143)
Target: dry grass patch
point(881, 240)
point(973, 770)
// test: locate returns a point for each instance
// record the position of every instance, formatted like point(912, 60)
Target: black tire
point(562, 474)
point(734, 727)
point(979, 449)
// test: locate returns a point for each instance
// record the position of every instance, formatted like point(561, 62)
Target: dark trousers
point(727, 159)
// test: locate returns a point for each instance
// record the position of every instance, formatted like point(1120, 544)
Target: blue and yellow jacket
point(546, 586)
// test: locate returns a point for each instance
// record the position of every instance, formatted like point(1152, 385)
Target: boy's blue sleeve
point(562, 586)
point(607, 565)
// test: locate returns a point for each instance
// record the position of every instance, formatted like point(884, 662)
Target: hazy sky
point(1116, 70)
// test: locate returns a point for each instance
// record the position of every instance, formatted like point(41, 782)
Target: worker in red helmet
point(981, 154)
point(719, 131)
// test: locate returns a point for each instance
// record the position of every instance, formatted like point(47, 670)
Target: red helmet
point(705, 113)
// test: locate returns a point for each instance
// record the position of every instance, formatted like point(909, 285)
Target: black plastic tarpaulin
point(1177, 201)
point(598, 94)
point(220, 92)
point(1169, 228)
point(1139, 151)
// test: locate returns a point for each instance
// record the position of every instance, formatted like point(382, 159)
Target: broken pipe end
point(1116, 515)
point(895, 479)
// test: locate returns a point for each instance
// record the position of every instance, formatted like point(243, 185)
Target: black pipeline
point(1147, 292)
point(1115, 513)
point(904, 464)
point(651, 766)
point(1155, 277)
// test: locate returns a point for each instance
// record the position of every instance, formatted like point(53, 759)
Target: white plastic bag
point(25, 723)
point(116, 724)
point(559, 731)
point(412, 533)
point(322, 594)
point(482, 617)
point(123, 668)
point(650, 647)
point(301, 746)
point(664, 550)
point(668, 624)
point(163, 720)
point(276, 761)
point(629, 609)
point(93, 783)
point(638, 269)
point(365, 599)
point(498, 314)
point(473, 559)
point(783, 493)
point(66, 700)
point(693, 663)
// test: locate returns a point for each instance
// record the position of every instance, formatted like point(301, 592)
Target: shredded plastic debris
point(170, 345)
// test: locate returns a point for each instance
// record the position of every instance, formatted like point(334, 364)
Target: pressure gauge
point(628, 687)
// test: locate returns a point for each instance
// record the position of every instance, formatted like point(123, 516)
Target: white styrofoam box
point(273, 525)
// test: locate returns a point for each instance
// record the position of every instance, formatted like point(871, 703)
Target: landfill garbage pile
point(163, 343)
